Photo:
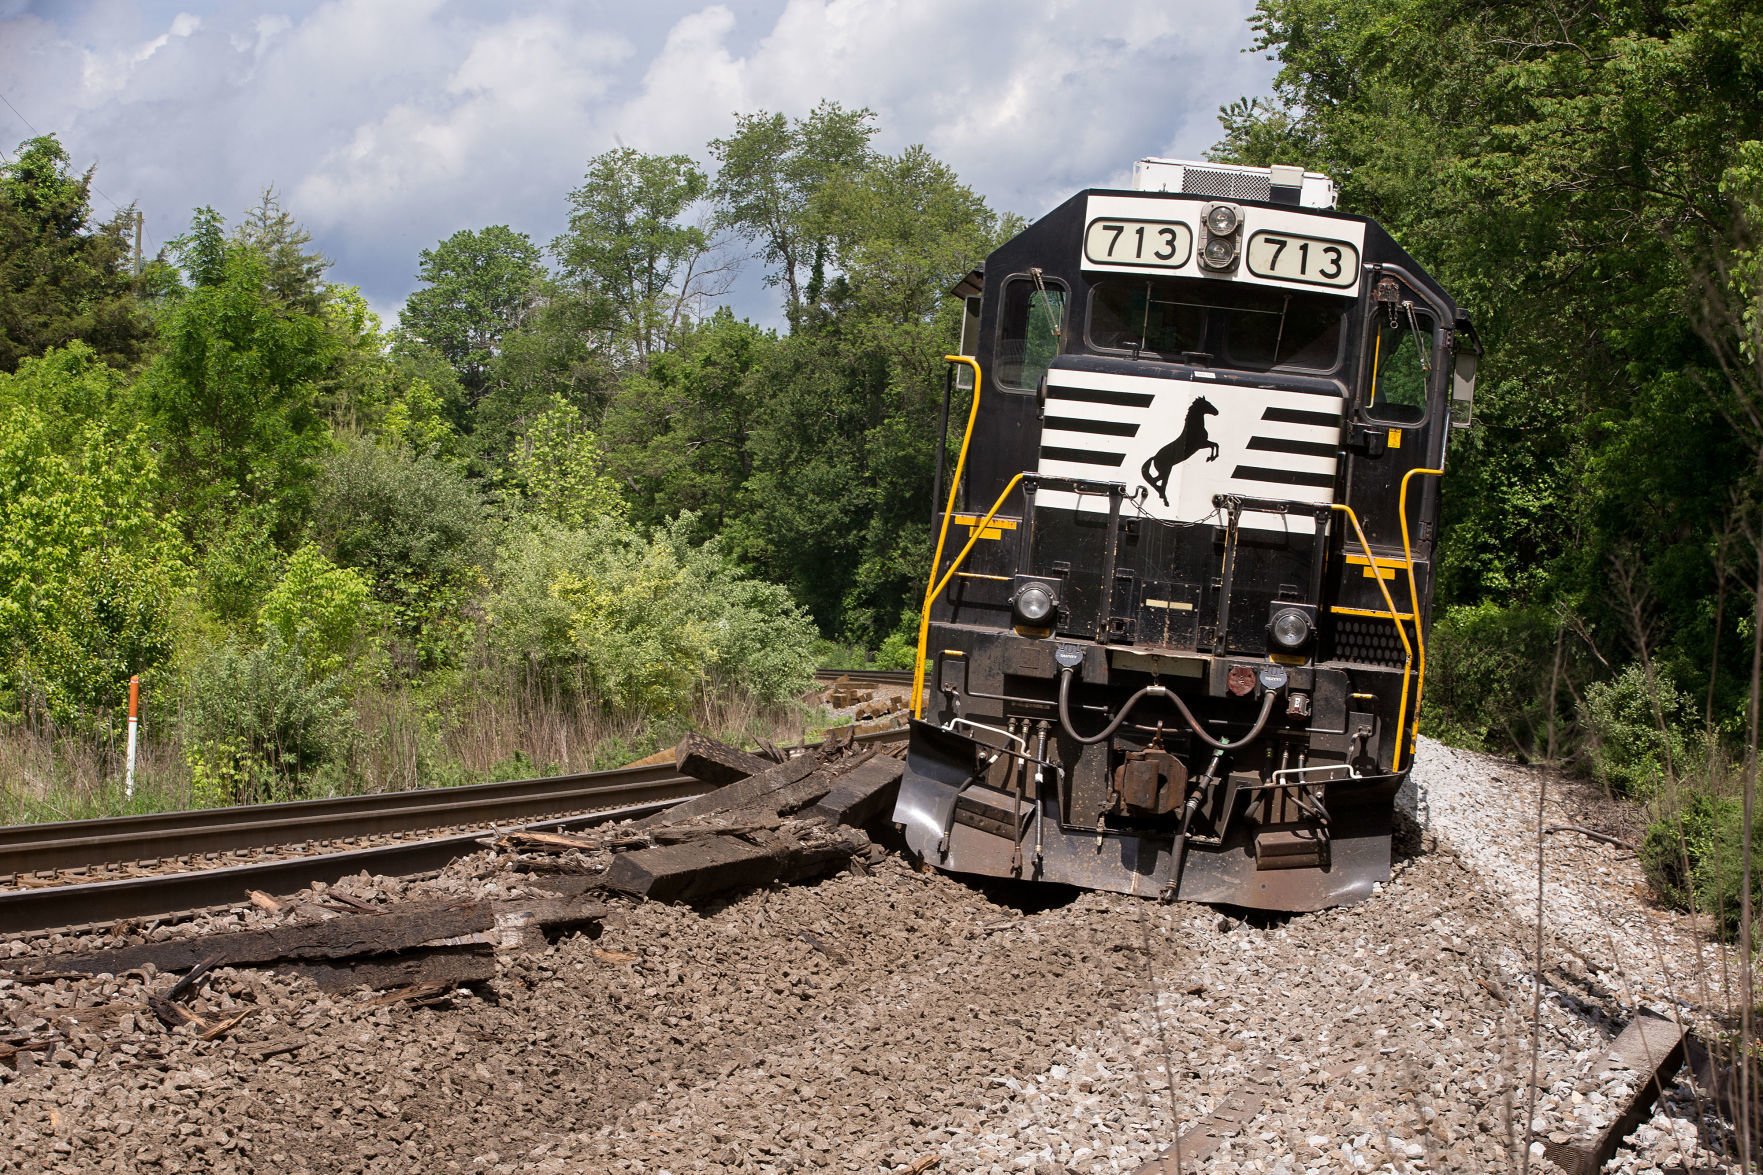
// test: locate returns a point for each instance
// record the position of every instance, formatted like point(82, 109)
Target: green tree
point(294, 275)
point(1562, 172)
point(61, 277)
point(629, 247)
point(843, 441)
point(481, 285)
point(416, 526)
point(678, 435)
point(559, 469)
point(233, 395)
point(770, 173)
point(92, 560)
point(561, 351)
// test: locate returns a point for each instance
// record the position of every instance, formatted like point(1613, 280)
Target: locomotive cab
point(1173, 641)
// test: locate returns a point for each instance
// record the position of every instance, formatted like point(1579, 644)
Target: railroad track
point(865, 676)
point(65, 874)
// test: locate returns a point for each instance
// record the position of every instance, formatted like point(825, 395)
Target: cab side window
point(1031, 324)
point(1401, 365)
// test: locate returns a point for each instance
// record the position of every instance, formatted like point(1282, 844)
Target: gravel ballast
point(877, 1019)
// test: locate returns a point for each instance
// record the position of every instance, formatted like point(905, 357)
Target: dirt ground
point(866, 1022)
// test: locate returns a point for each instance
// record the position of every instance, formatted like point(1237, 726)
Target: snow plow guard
point(941, 767)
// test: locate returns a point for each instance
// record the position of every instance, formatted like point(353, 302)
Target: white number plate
point(1139, 242)
point(1293, 258)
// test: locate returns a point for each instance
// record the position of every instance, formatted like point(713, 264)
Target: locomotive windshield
point(1251, 327)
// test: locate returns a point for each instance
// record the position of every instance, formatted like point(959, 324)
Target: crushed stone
point(873, 1020)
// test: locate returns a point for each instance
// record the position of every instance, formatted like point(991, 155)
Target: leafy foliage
point(1569, 175)
point(558, 467)
point(771, 175)
point(320, 611)
point(567, 493)
point(481, 285)
point(90, 563)
point(61, 277)
point(259, 724)
point(1626, 747)
point(417, 528)
point(1693, 858)
point(645, 624)
point(629, 249)
point(231, 398)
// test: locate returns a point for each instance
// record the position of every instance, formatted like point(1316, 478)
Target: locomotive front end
point(1174, 639)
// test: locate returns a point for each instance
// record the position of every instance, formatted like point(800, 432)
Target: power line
point(21, 118)
point(115, 207)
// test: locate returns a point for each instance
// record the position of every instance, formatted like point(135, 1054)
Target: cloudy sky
point(388, 124)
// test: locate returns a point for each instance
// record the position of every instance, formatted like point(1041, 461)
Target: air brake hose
point(1066, 674)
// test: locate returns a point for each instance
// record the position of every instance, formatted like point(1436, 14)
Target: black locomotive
point(1174, 639)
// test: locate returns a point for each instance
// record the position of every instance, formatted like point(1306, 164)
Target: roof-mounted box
point(1279, 184)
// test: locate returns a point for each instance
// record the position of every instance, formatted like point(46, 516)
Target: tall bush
point(1624, 746)
point(259, 724)
point(417, 527)
point(91, 559)
point(645, 623)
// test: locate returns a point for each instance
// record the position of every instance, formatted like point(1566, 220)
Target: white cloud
point(1027, 101)
point(105, 73)
point(389, 124)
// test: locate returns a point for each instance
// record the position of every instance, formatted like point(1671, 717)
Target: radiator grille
point(1367, 641)
point(1225, 185)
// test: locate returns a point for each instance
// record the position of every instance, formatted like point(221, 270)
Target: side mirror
point(1463, 388)
point(969, 342)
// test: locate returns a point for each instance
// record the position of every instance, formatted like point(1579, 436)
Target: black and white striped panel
point(1199, 438)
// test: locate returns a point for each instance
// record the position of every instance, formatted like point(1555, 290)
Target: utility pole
point(137, 242)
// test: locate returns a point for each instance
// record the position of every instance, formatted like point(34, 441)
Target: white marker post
point(128, 779)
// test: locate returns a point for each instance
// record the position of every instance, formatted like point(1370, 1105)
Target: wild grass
point(401, 739)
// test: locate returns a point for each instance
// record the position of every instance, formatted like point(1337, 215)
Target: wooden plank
point(746, 793)
point(1238, 1108)
point(1649, 1051)
point(354, 934)
point(810, 789)
point(716, 763)
point(462, 966)
point(861, 794)
point(400, 928)
point(701, 869)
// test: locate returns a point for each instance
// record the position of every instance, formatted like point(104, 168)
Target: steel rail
point(72, 844)
point(104, 903)
point(865, 676)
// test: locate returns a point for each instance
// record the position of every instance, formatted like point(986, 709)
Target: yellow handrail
point(1395, 617)
point(936, 590)
point(1414, 598)
point(936, 558)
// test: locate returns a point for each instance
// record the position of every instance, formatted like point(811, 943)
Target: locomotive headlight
point(1221, 220)
point(1290, 628)
point(1033, 604)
